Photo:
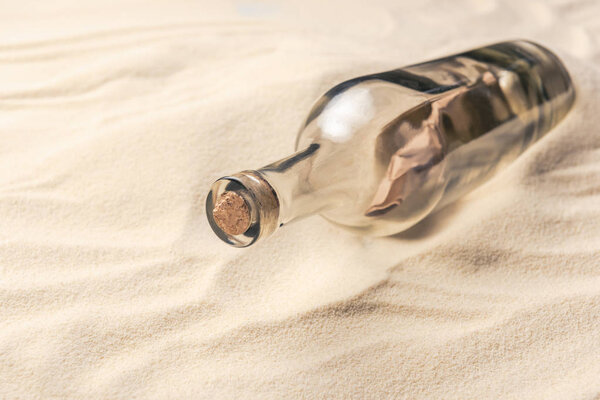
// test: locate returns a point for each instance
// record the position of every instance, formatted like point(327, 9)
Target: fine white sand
point(115, 118)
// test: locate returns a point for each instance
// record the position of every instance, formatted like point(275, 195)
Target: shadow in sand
point(433, 223)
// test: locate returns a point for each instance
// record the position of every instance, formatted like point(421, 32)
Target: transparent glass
point(380, 152)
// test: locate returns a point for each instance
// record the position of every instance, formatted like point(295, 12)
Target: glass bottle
point(380, 152)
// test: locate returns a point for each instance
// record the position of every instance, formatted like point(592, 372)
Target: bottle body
point(380, 152)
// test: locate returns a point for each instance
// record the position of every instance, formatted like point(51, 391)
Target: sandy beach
point(115, 119)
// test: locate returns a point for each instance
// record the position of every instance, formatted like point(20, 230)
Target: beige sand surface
point(115, 118)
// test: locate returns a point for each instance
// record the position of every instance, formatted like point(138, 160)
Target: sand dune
point(116, 118)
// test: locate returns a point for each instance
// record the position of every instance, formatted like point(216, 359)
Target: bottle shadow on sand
point(432, 224)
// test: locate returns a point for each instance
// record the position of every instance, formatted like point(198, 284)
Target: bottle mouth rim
point(260, 200)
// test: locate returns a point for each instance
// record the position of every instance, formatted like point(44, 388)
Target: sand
point(113, 286)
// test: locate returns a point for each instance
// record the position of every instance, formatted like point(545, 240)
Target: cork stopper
point(242, 208)
point(231, 213)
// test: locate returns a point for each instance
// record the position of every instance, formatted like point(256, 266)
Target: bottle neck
point(290, 178)
point(250, 205)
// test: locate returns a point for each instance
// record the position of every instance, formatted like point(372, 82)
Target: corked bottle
point(380, 152)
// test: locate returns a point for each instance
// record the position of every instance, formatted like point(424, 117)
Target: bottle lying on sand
point(380, 152)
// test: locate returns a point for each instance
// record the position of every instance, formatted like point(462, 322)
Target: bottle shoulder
point(360, 110)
